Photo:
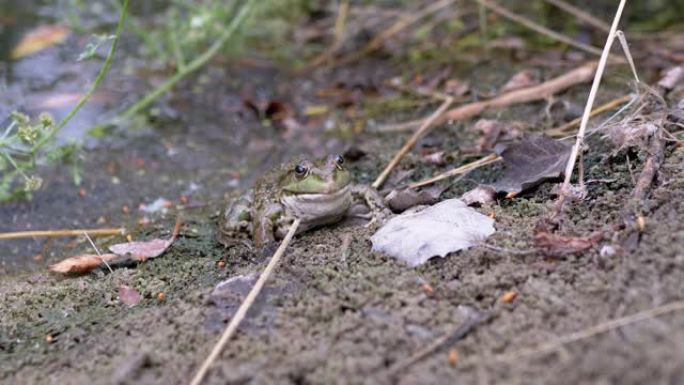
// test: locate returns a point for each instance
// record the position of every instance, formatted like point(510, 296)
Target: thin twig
point(448, 339)
point(581, 15)
point(561, 130)
point(590, 102)
point(402, 23)
point(61, 233)
point(422, 130)
point(516, 355)
point(244, 307)
point(489, 159)
point(340, 30)
point(538, 28)
point(98, 252)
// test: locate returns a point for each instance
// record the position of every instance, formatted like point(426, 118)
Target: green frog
point(318, 192)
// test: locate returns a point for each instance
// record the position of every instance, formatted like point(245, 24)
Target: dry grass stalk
point(489, 159)
point(61, 233)
point(562, 130)
point(590, 102)
point(538, 28)
point(422, 130)
point(581, 15)
point(402, 23)
point(244, 307)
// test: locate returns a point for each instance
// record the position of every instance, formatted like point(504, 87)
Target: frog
point(319, 192)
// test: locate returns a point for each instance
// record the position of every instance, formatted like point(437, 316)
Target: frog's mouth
point(318, 209)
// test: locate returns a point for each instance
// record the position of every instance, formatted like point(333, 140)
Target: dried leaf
point(671, 77)
point(554, 245)
point(522, 79)
point(81, 264)
point(129, 296)
point(530, 162)
point(39, 39)
point(449, 226)
point(479, 195)
point(400, 200)
point(142, 250)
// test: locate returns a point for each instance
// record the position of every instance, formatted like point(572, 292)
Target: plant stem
point(193, 65)
point(590, 101)
point(100, 77)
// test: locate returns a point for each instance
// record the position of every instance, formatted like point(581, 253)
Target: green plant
point(24, 143)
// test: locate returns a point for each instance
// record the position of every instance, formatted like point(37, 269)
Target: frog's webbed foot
point(376, 209)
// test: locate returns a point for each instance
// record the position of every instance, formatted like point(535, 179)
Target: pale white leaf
point(435, 231)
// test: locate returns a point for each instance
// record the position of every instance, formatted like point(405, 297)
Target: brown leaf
point(554, 245)
point(530, 162)
point(39, 39)
point(80, 264)
point(129, 296)
point(522, 79)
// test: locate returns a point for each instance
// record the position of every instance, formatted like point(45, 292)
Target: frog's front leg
point(264, 231)
point(373, 201)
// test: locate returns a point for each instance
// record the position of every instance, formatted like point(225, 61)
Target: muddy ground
point(334, 316)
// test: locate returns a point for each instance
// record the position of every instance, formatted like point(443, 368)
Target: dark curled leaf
point(400, 200)
point(530, 162)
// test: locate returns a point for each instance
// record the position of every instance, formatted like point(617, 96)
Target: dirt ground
point(334, 316)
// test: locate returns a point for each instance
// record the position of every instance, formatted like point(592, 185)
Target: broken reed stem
point(246, 304)
point(561, 130)
point(458, 170)
point(340, 30)
point(402, 23)
point(61, 233)
point(538, 28)
point(541, 91)
point(590, 102)
point(581, 15)
point(422, 130)
point(516, 355)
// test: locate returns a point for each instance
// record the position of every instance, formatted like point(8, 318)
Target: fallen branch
point(422, 130)
point(61, 233)
point(244, 307)
point(538, 28)
point(539, 92)
point(458, 170)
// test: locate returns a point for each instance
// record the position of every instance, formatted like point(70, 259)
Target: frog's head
point(324, 176)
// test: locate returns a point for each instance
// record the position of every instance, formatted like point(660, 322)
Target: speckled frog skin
point(318, 192)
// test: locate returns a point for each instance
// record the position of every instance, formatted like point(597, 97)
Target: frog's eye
point(339, 160)
point(300, 170)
